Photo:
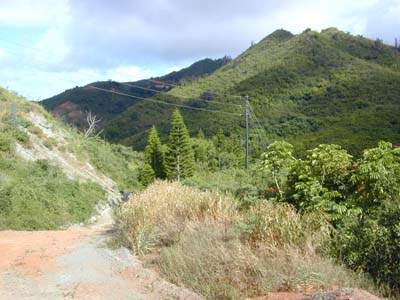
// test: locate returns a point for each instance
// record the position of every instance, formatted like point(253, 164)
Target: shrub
point(371, 243)
point(38, 196)
point(280, 225)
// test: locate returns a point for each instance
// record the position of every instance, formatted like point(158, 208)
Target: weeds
point(207, 244)
point(159, 214)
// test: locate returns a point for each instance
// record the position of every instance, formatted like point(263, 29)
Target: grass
point(159, 214)
point(38, 195)
point(120, 163)
point(203, 241)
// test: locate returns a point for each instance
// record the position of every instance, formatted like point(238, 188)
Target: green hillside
point(72, 105)
point(311, 88)
point(51, 175)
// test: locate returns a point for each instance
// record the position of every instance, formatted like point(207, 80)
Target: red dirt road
point(76, 264)
point(31, 252)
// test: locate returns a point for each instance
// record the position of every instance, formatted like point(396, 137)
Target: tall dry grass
point(204, 243)
point(158, 215)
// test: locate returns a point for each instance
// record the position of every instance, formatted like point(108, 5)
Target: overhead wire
point(179, 96)
point(258, 126)
point(196, 89)
point(166, 103)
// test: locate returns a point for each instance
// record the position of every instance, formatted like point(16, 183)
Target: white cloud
point(129, 73)
point(51, 47)
point(3, 53)
point(21, 13)
point(78, 42)
point(38, 84)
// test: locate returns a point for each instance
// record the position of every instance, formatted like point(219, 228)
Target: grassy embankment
point(37, 195)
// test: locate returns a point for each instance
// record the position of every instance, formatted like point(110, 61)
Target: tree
point(179, 159)
point(320, 181)
point(154, 155)
point(377, 175)
point(200, 134)
point(278, 160)
point(218, 140)
point(93, 123)
point(147, 175)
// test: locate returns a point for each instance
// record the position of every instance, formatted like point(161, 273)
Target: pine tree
point(147, 175)
point(200, 134)
point(199, 145)
point(219, 143)
point(180, 157)
point(154, 154)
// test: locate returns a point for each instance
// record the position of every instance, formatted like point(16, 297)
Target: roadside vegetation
point(205, 242)
point(37, 194)
point(320, 220)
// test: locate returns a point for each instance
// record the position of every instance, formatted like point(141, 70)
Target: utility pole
point(247, 113)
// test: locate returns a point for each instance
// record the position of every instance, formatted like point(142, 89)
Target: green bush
point(372, 243)
point(38, 196)
point(360, 197)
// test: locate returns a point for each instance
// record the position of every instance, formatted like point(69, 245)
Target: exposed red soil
point(337, 294)
point(34, 252)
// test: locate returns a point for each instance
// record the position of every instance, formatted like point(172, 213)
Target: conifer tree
point(154, 154)
point(200, 134)
point(180, 157)
point(147, 175)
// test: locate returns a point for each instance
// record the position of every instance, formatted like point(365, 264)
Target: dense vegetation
point(38, 195)
point(358, 198)
point(312, 88)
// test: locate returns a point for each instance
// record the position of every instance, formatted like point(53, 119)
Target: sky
point(48, 46)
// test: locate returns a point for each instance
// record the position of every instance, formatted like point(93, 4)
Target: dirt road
point(76, 264)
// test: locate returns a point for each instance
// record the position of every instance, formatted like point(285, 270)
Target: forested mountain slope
point(311, 88)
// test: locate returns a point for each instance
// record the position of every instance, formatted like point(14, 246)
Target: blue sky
point(47, 46)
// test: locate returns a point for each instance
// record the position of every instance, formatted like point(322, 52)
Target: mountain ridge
point(309, 88)
point(72, 104)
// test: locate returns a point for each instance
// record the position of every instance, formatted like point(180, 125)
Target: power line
point(255, 117)
point(260, 127)
point(196, 89)
point(186, 97)
point(259, 134)
point(166, 103)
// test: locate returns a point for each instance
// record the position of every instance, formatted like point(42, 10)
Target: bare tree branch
point(92, 122)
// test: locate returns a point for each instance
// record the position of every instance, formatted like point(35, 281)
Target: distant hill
point(72, 105)
point(310, 88)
